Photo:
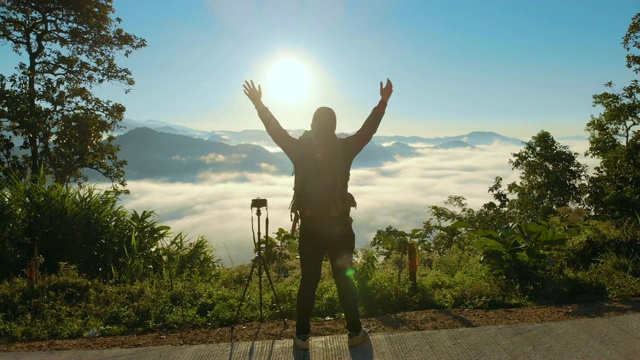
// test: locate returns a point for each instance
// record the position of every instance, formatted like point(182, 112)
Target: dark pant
point(333, 236)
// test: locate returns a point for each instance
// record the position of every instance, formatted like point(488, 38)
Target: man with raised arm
point(322, 204)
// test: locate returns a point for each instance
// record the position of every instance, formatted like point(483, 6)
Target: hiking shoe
point(356, 339)
point(301, 342)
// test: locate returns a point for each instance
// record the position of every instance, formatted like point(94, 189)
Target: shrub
point(459, 279)
point(519, 251)
point(619, 275)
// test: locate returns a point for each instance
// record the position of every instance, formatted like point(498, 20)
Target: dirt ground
point(407, 321)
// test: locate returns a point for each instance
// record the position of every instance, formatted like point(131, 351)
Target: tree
point(550, 177)
point(631, 41)
point(390, 241)
point(614, 138)
point(50, 120)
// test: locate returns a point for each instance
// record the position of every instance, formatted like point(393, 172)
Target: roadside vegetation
point(76, 263)
point(73, 262)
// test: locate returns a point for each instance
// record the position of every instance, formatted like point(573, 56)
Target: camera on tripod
point(258, 203)
point(258, 264)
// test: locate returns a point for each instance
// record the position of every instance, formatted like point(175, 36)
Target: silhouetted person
point(322, 203)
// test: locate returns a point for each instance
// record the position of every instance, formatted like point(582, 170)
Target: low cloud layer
point(396, 194)
point(219, 158)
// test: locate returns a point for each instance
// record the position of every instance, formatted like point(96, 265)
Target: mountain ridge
point(173, 152)
point(260, 136)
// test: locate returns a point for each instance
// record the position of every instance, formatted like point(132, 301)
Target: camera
point(258, 203)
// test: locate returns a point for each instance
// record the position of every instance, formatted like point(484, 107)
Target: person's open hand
point(254, 94)
point(386, 91)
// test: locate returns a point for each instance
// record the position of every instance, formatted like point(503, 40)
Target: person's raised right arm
point(279, 135)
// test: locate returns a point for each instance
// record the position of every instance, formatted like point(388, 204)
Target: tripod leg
point(260, 266)
point(275, 296)
point(244, 293)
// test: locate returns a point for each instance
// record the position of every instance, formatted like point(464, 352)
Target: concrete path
point(601, 338)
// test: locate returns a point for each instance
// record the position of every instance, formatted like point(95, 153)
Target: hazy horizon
point(259, 127)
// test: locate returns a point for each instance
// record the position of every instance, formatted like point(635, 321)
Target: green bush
point(87, 228)
point(156, 280)
point(518, 251)
point(55, 308)
point(459, 279)
point(619, 275)
point(564, 285)
point(80, 226)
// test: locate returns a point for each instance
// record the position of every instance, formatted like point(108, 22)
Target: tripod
point(261, 264)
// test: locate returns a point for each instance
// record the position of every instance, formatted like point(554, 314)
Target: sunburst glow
point(289, 79)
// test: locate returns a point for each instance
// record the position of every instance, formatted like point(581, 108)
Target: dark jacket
point(329, 176)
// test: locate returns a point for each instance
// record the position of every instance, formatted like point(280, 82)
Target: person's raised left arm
point(362, 137)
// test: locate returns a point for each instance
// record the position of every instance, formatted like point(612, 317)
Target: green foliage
point(387, 294)
point(189, 258)
point(139, 255)
point(53, 309)
point(389, 241)
point(631, 42)
point(365, 270)
point(619, 275)
point(615, 140)
point(455, 278)
point(67, 304)
point(594, 239)
point(518, 251)
point(47, 110)
point(73, 225)
point(550, 178)
point(459, 279)
point(89, 229)
point(285, 249)
point(447, 228)
point(279, 251)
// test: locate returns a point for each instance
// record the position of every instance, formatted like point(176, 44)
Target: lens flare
point(350, 272)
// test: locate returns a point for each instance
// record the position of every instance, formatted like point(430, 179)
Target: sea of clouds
point(398, 194)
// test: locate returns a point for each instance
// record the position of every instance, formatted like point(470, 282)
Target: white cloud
point(268, 168)
point(213, 158)
point(396, 194)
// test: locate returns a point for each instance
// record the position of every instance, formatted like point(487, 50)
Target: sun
point(289, 79)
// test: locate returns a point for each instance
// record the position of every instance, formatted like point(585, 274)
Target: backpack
point(321, 178)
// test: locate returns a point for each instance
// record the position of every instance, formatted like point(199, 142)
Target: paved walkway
point(601, 338)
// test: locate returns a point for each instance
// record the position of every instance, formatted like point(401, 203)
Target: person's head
point(324, 121)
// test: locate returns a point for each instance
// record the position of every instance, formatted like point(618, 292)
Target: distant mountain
point(260, 137)
point(400, 149)
point(473, 138)
point(161, 126)
point(374, 155)
point(484, 138)
point(153, 154)
point(404, 139)
point(161, 155)
point(456, 144)
point(159, 150)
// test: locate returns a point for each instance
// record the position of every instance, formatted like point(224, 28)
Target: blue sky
point(514, 67)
